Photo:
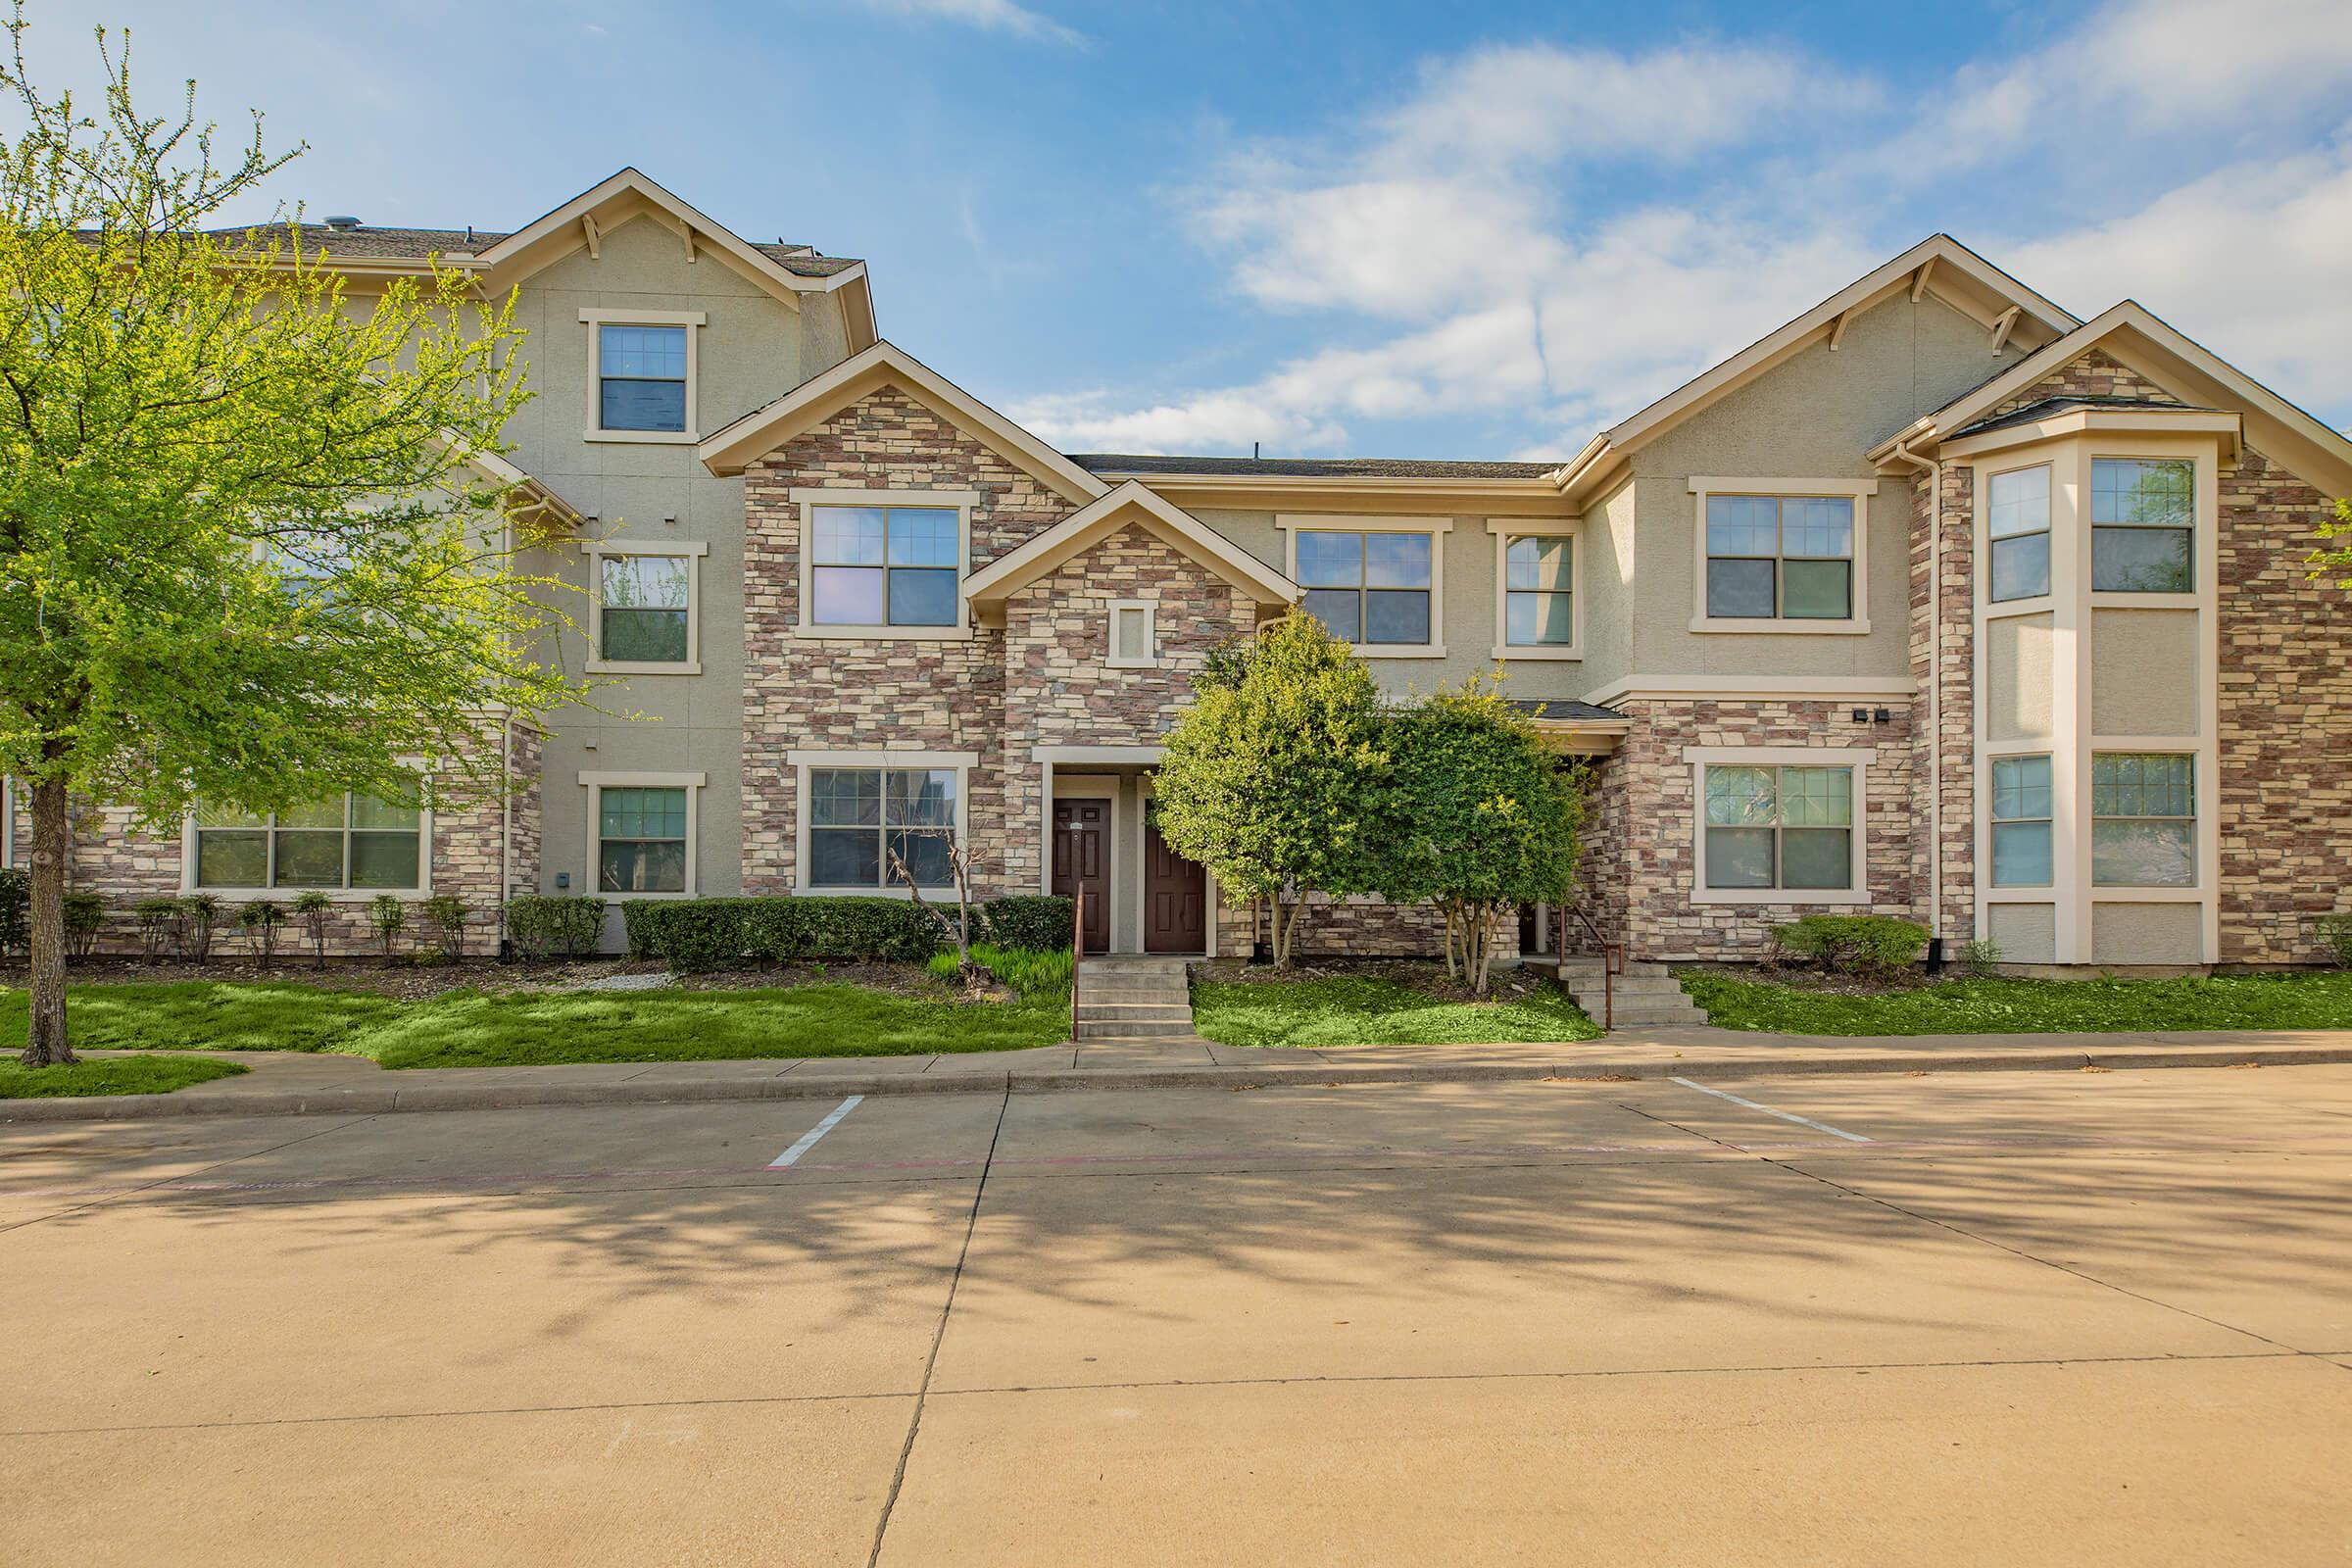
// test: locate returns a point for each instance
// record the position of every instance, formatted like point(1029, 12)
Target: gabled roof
point(626, 194)
point(2142, 341)
point(1939, 265)
point(1122, 465)
point(1090, 525)
point(736, 446)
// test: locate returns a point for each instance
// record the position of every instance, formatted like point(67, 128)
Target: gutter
point(1933, 469)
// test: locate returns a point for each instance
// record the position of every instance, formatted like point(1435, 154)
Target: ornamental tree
point(2334, 558)
point(1477, 814)
point(247, 553)
point(1267, 779)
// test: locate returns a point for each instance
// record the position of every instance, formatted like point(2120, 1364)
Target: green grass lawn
point(2312, 1001)
point(116, 1075)
point(471, 1029)
point(1365, 1010)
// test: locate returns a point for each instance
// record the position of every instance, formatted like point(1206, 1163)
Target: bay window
point(2017, 515)
point(2142, 515)
point(2144, 830)
point(2021, 823)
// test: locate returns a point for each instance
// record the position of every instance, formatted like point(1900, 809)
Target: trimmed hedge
point(556, 926)
point(1874, 944)
point(700, 934)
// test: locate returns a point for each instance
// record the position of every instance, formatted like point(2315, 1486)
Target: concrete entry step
point(1126, 997)
point(1131, 1029)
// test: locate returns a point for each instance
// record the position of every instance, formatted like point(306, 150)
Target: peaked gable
point(1130, 504)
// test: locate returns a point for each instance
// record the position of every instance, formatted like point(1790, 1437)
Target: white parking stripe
point(1785, 1115)
point(792, 1155)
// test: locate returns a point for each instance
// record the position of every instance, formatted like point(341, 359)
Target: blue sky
point(1362, 229)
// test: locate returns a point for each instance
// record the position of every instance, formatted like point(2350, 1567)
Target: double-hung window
point(641, 377)
point(2020, 821)
point(2142, 520)
point(2144, 828)
point(866, 824)
point(348, 840)
point(1778, 828)
point(1369, 588)
point(641, 839)
point(2017, 519)
point(1780, 557)
point(1539, 608)
point(644, 609)
point(883, 566)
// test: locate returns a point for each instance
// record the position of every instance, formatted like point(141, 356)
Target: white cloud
point(994, 15)
point(1479, 234)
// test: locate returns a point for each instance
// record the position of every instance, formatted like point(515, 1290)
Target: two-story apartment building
point(1938, 600)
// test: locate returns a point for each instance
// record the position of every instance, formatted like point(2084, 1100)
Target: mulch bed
point(419, 981)
point(1817, 983)
point(1425, 975)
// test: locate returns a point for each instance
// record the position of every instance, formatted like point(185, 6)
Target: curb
point(378, 1100)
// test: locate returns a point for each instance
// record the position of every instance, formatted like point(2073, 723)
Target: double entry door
point(1175, 888)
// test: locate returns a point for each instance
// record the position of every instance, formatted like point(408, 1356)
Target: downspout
point(1933, 469)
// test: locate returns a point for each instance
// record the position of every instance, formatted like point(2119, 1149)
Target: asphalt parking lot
point(2005, 1317)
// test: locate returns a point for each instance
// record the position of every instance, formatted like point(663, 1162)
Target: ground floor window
point(1778, 828)
point(641, 839)
point(866, 824)
point(350, 841)
point(2144, 830)
point(2021, 823)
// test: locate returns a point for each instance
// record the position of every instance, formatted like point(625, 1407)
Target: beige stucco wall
point(2143, 672)
point(2027, 933)
point(2018, 653)
point(1813, 416)
point(752, 349)
point(2145, 933)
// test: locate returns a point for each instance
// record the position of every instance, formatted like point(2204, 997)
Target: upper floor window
point(642, 379)
point(1134, 634)
point(642, 367)
point(1537, 605)
point(1780, 557)
point(2142, 520)
point(1369, 587)
point(348, 840)
point(2016, 518)
point(884, 566)
point(643, 603)
point(2144, 828)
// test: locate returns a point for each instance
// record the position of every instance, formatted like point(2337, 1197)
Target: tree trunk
point(1286, 932)
point(52, 835)
point(1449, 969)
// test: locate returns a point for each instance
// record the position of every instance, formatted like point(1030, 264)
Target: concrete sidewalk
point(291, 1083)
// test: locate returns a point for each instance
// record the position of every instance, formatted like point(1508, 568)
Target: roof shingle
point(1308, 467)
point(371, 243)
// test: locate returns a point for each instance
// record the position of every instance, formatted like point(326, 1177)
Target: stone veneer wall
point(1601, 870)
point(1060, 689)
point(1660, 813)
point(1363, 928)
point(2286, 721)
point(1953, 661)
point(527, 753)
point(860, 694)
point(2092, 374)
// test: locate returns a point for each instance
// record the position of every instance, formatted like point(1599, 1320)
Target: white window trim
point(595, 783)
point(1110, 626)
point(1858, 490)
point(237, 896)
point(963, 501)
point(692, 552)
point(1345, 522)
point(1856, 758)
point(1505, 530)
point(594, 318)
point(800, 761)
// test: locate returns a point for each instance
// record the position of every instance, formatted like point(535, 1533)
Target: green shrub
point(694, 934)
point(1978, 958)
point(260, 921)
point(561, 926)
point(2334, 929)
point(445, 912)
point(314, 908)
point(199, 914)
point(1025, 969)
point(85, 917)
point(389, 916)
point(16, 909)
point(160, 922)
point(1039, 922)
point(1873, 945)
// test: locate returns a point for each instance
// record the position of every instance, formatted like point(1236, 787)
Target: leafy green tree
point(1477, 814)
point(244, 554)
point(2335, 558)
point(1267, 779)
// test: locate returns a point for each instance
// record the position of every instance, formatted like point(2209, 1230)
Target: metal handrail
point(1613, 962)
point(1077, 946)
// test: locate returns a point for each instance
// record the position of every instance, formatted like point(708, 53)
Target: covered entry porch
point(1100, 838)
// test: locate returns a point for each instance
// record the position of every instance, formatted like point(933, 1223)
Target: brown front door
point(1175, 896)
point(1082, 859)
